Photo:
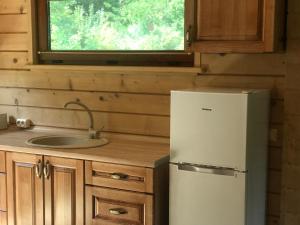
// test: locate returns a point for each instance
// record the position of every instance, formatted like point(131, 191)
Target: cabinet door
point(230, 25)
point(24, 189)
point(3, 192)
point(2, 162)
point(64, 191)
point(106, 206)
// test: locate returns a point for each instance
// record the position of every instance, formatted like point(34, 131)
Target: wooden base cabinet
point(126, 195)
point(24, 189)
point(2, 162)
point(44, 190)
point(64, 191)
point(106, 206)
point(3, 193)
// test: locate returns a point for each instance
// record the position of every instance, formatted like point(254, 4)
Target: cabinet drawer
point(3, 218)
point(2, 192)
point(114, 207)
point(2, 162)
point(119, 176)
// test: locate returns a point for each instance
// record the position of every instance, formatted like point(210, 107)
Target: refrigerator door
point(198, 198)
point(209, 128)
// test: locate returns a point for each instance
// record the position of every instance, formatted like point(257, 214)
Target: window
point(118, 32)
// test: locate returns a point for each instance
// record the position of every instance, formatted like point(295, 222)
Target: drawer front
point(3, 218)
point(2, 162)
point(114, 207)
point(119, 176)
point(3, 206)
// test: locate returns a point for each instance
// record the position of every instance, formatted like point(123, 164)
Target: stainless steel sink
point(56, 141)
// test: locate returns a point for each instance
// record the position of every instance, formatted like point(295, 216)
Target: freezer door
point(198, 198)
point(209, 129)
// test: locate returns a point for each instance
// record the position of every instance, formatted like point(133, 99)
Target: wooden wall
point(291, 159)
point(129, 102)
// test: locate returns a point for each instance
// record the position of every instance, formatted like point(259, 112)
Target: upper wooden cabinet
point(241, 26)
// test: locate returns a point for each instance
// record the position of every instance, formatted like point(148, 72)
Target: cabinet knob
point(117, 211)
point(47, 169)
point(118, 176)
point(38, 169)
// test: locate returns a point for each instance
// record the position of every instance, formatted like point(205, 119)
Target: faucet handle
point(94, 134)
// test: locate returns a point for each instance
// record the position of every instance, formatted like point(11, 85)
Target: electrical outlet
point(23, 123)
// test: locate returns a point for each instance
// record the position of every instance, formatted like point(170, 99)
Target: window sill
point(115, 68)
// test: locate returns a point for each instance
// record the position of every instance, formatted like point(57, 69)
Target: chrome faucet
point(93, 134)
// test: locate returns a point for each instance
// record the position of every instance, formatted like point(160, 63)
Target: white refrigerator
point(218, 156)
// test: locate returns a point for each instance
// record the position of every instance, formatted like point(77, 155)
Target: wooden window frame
point(116, 58)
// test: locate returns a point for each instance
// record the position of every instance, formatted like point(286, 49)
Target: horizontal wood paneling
point(273, 220)
point(293, 54)
point(255, 64)
point(277, 111)
point(13, 7)
point(13, 42)
point(14, 23)
point(273, 204)
point(276, 135)
point(13, 60)
point(291, 183)
point(96, 101)
point(291, 219)
point(293, 26)
point(292, 130)
point(292, 201)
point(292, 176)
point(103, 101)
point(292, 101)
point(294, 6)
point(112, 122)
point(274, 182)
point(275, 159)
point(151, 83)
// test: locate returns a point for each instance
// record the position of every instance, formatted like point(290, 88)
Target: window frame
point(118, 58)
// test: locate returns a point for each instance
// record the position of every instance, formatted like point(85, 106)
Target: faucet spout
point(92, 133)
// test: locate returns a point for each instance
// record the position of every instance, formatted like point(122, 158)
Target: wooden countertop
point(126, 152)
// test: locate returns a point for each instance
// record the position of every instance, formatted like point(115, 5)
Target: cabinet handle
point(47, 169)
point(118, 211)
point(118, 176)
point(188, 36)
point(38, 169)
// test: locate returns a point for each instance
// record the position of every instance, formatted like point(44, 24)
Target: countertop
point(117, 151)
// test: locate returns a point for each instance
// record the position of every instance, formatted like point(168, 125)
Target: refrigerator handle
point(206, 169)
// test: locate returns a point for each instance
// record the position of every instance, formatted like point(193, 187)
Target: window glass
point(116, 25)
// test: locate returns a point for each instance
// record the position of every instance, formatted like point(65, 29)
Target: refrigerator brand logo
point(207, 109)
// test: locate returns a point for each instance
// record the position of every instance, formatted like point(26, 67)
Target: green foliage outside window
point(116, 24)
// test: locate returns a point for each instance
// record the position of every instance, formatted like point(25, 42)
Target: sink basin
point(55, 141)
